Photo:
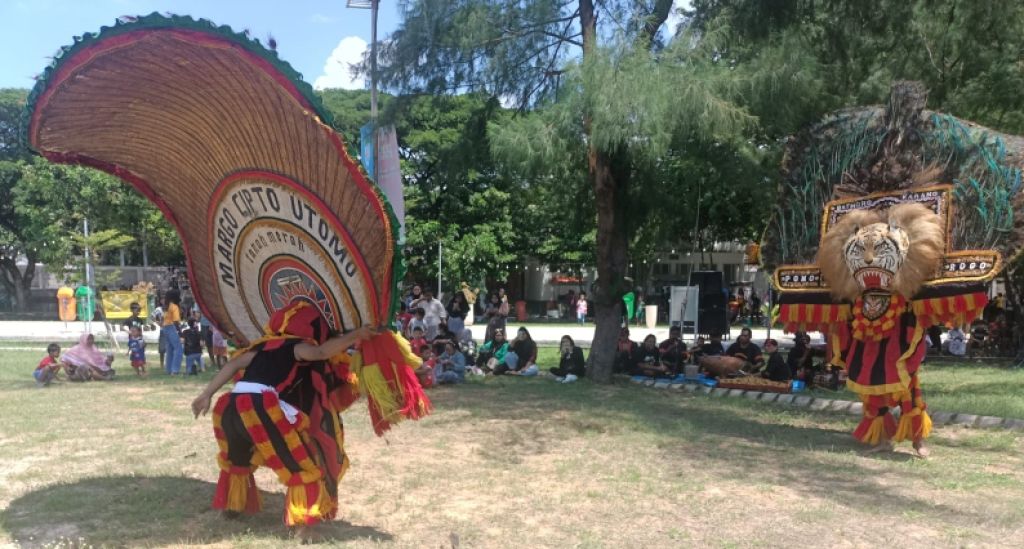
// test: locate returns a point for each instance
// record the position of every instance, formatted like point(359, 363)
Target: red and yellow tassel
point(385, 370)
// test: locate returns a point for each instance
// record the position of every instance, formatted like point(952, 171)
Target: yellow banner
point(116, 304)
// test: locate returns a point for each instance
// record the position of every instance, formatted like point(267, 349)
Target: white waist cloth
point(248, 387)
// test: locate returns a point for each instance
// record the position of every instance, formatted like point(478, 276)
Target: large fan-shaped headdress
point(872, 163)
point(239, 154)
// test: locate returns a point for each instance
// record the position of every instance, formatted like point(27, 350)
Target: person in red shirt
point(403, 318)
point(418, 341)
point(425, 372)
point(48, 367)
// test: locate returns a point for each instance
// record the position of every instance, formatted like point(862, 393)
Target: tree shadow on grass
point(132, 511)
point(734, 439)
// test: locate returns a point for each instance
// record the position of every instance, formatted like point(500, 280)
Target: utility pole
point(88, 276)
point(372, 5)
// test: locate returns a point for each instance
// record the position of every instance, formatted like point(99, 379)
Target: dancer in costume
point(263, 227)
point(891, 219)
point(875, 289)
point(281, 414)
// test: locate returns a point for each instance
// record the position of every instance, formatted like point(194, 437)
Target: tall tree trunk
point(609, 181)
point(610, 176)
point(25, 286)
point(17, 285)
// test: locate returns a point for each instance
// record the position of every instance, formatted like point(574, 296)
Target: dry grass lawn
point(504, 463)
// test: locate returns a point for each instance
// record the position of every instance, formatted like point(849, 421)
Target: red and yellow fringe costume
point(882, 357)
point(308, 455)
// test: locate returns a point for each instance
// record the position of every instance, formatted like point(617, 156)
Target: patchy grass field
point(505, 463)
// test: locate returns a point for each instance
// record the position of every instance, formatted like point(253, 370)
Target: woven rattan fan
point(239, 154)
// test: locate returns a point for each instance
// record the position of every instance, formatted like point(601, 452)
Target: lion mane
point(924, 230)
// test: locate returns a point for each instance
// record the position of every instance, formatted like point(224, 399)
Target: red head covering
point(298, 320)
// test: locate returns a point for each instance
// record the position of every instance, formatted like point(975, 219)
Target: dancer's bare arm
point(307, 352)
point(201, 404)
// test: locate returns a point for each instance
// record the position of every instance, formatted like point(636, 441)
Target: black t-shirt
point(672, 350)
point(643, 355)
point(750, 353)
point(573, 362)
point(777, 369)
point(133, 322)
point(525, 350)
point(712, 348)
point(193, 340)
point(272, 367)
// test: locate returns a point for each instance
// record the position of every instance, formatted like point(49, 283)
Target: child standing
point(220, 349)
point(48, 367)
point(137, 350)
point(193, 338)
point(418, 322)
point(581, 308)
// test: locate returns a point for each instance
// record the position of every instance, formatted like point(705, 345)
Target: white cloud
point(338, 68)
point(322, 19)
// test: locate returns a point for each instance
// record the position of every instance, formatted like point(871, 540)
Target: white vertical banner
point(389, 174)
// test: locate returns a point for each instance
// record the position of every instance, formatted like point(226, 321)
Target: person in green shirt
point(492, 353)
point(629, 300)
point(86, 300)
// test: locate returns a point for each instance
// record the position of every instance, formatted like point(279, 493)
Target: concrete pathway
point(543, 334)
point(823, 404)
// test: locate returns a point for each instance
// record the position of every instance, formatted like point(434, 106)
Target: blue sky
point(311, 34)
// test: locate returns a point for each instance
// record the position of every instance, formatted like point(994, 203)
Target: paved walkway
point(542, 333)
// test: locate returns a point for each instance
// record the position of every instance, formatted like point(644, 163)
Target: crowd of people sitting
point(438, 334)
point(672, 357)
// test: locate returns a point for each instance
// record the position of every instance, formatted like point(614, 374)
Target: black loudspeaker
point(710, 282)
point(711, 314)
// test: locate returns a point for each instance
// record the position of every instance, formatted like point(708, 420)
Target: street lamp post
point(372, 6)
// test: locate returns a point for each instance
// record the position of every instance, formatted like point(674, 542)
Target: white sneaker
point(559, 379)
point(569, 378)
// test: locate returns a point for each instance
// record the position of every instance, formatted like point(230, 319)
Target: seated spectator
point(521, 358)
point(444, 336)
point(747, 350)
point(571, 365)
point(713, 347)
point(673, 351)
point(979, 335)
point(624, 350)
point(935, 338)
point(777, 369)
point(451, 365)
point(647, 360)
point(492, 353)
point(49, 367)
point(494, 317)
point(84, 362)
point(425, 372)
point(956, 342)
point(467, 346)
point(417, 341)
point(800, 352)
point(998, 334)
point(697, 350)
point(417, 321)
